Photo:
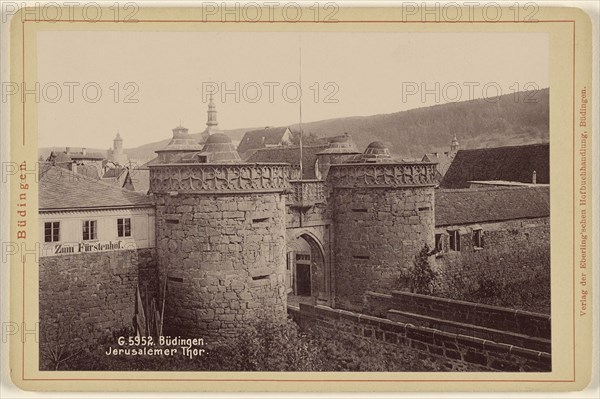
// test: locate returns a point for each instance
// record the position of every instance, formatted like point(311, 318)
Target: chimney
point(68, 150)
point(534, 178)
point(84, 151)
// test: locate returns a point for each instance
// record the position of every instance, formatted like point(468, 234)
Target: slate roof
point(291, 155)
point(140, 179)
point(181, 142)
point(261, 137)
point(219, 149)
point(62, 189)
point(153, 161)
point(470, 206)
point(501, 163)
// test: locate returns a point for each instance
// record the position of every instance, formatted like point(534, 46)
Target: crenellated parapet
point(395, 175)
point(198, 178)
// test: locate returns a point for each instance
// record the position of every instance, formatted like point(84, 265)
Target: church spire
point(211, 122)
point(212, 113)
point(454, 145)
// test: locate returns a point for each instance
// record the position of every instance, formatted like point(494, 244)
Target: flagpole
point(300, 73)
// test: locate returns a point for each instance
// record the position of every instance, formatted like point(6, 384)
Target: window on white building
point(124, 227)
point(51, 231)
point(454, 240)
point(90, 232)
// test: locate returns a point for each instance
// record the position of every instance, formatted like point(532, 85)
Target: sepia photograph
point(315, 201)
point(294, 197)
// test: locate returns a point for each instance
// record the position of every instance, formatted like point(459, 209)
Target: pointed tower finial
point(454, 146)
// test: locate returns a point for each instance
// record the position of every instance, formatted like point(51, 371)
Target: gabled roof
point(469, 206)
point(114, 172)
point(118, 176)
point(261, 138)
point(443, 160)
point(500, 163)
point(89, 170)
point(140, 179)
point(291, 155)
point(63, 156)
point(62, 189)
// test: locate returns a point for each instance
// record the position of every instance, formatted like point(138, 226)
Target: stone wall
point(453, 350)
point(317, 215)
point(88, 296)
point(378, 232)
point(223, 257)
point(511, 269)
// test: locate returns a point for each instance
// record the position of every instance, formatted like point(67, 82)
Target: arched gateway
point(308, 271)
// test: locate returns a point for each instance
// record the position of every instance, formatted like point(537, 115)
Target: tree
point(308, 138)
point(422, 275)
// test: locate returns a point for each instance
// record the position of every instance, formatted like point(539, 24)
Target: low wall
point(454, 349)
point(516, 321)
point(85, 297)
point(524, 341)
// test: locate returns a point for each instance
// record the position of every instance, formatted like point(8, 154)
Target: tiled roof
point(61, 189)
point(468, 206)
point(500, 163)
point(260, 138)
point(291, 155)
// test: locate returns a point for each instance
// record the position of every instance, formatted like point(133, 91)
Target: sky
point(151, 82)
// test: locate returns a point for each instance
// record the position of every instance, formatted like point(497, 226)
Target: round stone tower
point(220, 231)
point(383, 215)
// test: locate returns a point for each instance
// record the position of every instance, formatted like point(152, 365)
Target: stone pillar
point(220, 233)
point(383, 215)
